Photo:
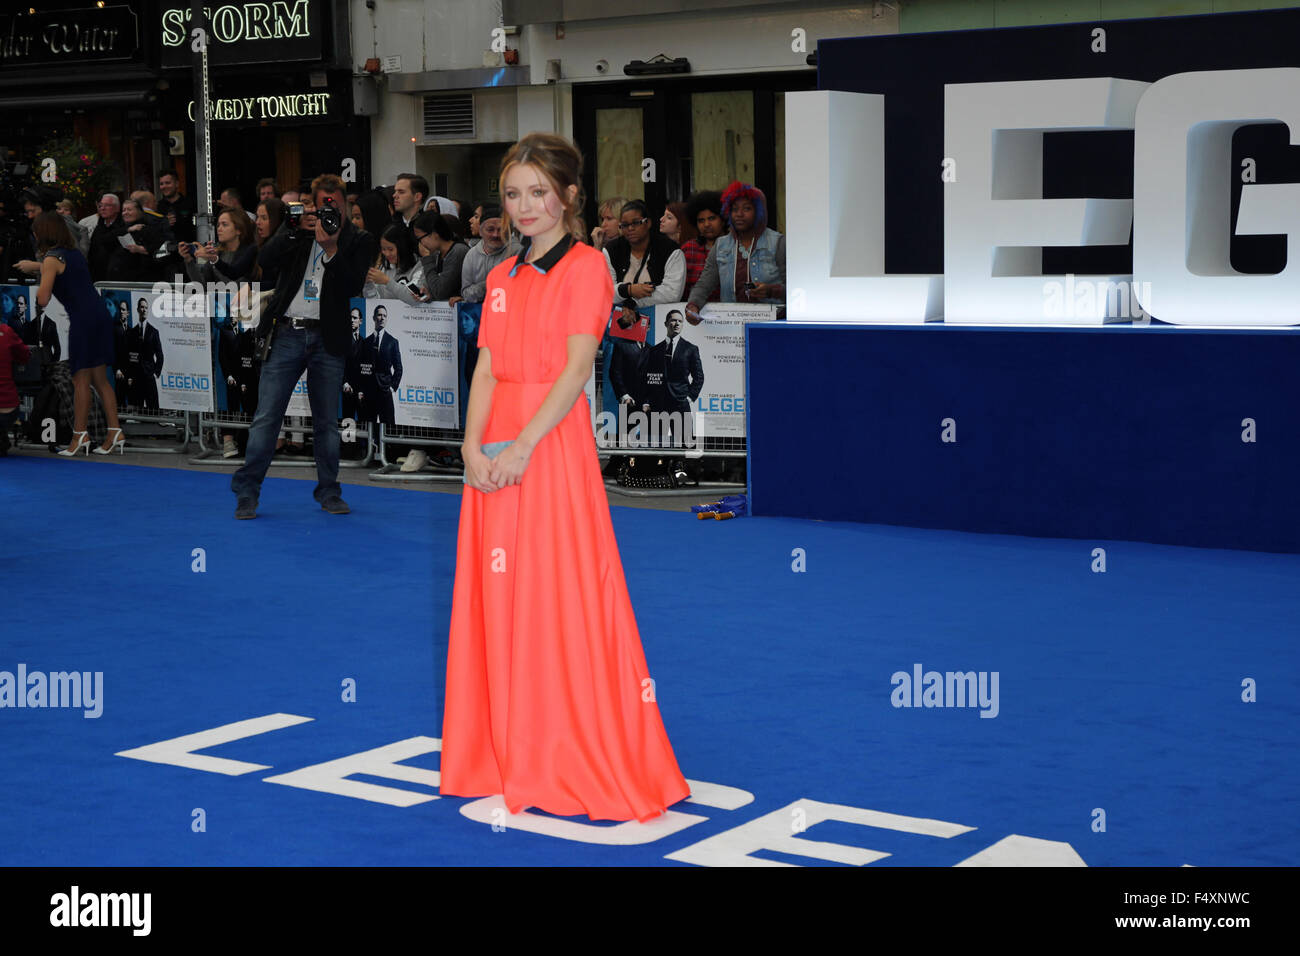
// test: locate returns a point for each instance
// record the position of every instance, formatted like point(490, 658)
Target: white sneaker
point(228, 447)
point(415, 460)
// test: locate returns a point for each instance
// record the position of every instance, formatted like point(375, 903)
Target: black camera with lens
point(330, 216)
point(293, 213)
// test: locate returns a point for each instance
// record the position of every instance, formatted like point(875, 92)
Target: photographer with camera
point(322, 261)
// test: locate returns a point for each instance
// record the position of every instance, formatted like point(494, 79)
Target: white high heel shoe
point(80, 440)
point(118, 445)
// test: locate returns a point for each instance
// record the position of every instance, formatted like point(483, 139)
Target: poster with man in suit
point(383, 354)
point(674, 377)
point(352, 388)
point(144, 355)
point(707, 373)
point(13, 307)
point(170, 351)
point(422, 372)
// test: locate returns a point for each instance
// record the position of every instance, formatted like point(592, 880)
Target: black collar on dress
point(546, 262)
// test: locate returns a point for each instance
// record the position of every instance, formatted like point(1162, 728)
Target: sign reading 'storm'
point(245, 32)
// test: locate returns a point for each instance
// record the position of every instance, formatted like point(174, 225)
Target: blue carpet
point(1118, 691)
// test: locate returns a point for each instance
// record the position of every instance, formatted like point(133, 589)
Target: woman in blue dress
point(65, 276)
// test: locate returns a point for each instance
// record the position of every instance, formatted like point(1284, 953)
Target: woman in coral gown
point(549, 701)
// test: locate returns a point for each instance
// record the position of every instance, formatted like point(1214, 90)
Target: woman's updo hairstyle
point(560, 162)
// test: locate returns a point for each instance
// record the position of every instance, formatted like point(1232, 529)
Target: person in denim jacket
point(748, 263)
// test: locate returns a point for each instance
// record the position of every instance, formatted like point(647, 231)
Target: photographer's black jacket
point(286, 254)
point(126, 266)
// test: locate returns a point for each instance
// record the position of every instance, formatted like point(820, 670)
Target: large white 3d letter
point(835, 188)
point(1182, 189)
point(995, 219)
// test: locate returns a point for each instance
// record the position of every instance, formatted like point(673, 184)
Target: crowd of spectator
point(711, 247)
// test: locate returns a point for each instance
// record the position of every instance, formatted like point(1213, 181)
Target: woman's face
point(531, 201)
point(668, 224)
point(357, 220)
point(263, 223)
point(225, 229)
point(609, 222)
point(474, 220)
point(130, 213)
point(389, 250)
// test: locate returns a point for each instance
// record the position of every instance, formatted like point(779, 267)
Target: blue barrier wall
point(1108, 433)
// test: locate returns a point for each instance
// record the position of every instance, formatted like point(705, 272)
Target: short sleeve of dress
point(490, 321)
point(588, 294)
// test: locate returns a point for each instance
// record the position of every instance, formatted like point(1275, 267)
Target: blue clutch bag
point(492, 449)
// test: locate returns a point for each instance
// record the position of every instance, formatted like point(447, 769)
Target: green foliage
point(80, 171)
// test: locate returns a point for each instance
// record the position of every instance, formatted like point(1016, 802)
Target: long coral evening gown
point(549, 701)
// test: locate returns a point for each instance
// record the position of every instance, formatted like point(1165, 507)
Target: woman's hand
point(477, 469)
point(639, 290)
point(208, 252)
point(27, 265)
point(693, 314)
point(761, 290)
point(377, 276)
point(185, 249)
point(509, 466)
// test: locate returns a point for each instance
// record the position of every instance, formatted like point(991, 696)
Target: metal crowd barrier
point(215, 422)
point(721, 447)
point(420, 437)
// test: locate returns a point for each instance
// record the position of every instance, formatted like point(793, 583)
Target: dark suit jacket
point(627, 369)
point(103, 246)
point(684, 376)
point(344, 279)
point(388, 365)
point(352, 367)
point(50, 336)
point(151, 353)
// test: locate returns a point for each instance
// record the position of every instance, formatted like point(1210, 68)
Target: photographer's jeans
point(293, 351)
